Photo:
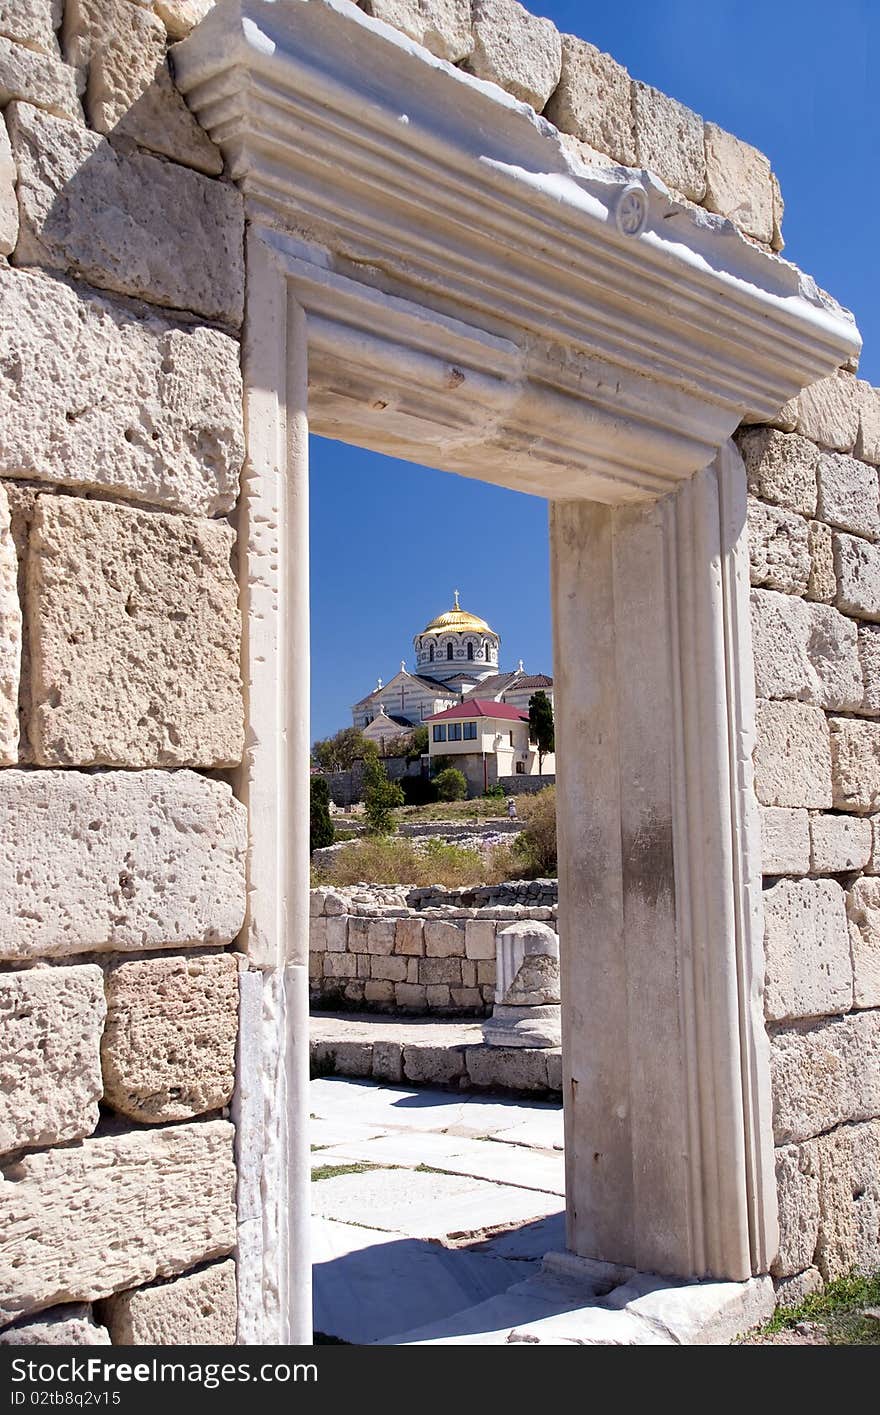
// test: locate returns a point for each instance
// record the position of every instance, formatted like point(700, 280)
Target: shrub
point(340, 753)
point(321, 832)
point(380, 798)
point(451, 785)
point(536, 842)
point(495, 793)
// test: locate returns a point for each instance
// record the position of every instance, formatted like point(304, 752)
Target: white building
point(486, 740)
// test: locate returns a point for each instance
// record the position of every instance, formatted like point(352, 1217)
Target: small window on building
point(432, 653)
point(511, 737)
point(455, 731)
point(470, 650)
point(470, 731)
point(449, 650)
point(520, 768)
point(439, 731)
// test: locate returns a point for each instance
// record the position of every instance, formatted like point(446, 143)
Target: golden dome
point(459, 621)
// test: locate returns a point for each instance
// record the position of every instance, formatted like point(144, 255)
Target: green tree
point(380, 798)
point(541, 729)
point(321, 832)
point(339, 753)
point(418, 744)
point(451, 785)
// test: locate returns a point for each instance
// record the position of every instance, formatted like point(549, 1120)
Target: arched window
point(471, 650)
point(449, 649)
point(432, 653)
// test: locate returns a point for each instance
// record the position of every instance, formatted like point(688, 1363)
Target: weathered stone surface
point(99, 395)
point(777, 243)
point(37, 78)
point(388, 969)
point(839, 844)
point(387, 1061)
point(371, 935)
point(148, 1204)
point(410, 997)
point(50, 1066)
point(58, 1326)
point(857, 568)
point(520, 51)
point(855, 764)
point(168, 1051)
point(825, 1075)
point(198, 1309)
point(438, 995)
point(848, 495)
point(791, 1291)
point(868, 438)
point(519, 1026)
point(738, 183)
point(806, 944)
point(593, 101)
point(126, 222)
point(8, 199)
point(780, 467)
point(340, 965)
point(508, 1068)
point(669, 141)
point(785, 841)
point(828, 412)
point(869, 658)
point(409, 937)
point(804, 651)
point(797, 1185)
point(444, 940)
point(118, 860)
point(863, 910)
point(480, 939)
point(442, 26)
point(437, 1065)
point(10, 638)
point(336, 933)
point(144, 604)
point(779, 549)
point(822, 584)
point(119, 49)
point(792, 756)
point(181, 16)
point(849, 1200)
point(440, 970)
point(31, 22)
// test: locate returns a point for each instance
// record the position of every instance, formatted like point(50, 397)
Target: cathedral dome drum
point(456, 643)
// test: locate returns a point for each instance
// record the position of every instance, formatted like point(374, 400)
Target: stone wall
point(370, 949)
point(123, 848)
point(814, 533)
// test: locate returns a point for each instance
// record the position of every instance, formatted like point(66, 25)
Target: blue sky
point(390, 541)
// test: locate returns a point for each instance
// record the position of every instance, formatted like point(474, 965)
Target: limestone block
point(31, 22)
point(434, 1065)
point(839, 844)
point(822, 584)
point(739, 183)
point(466, 997)
point(517, 1026)
point(849, 1200)
point(486, 973)
point(97, 395)
point(868, 438)
point(508, 1068)
point(797, 1186)
point(777, 243)
point(869, 658)
point(118, 860)
point(857, 568)
point(410, 997)
point(58, 1326)
point(409, 937)
point(804, 651)
point(437, 995)
point(37, 78)
point(168, 1051)
point(825, 1075)
point(669, 141)
point(363, 963)
point(8, 200)
point(806, 945)
point(387, 1062)
point(519, 51)
point(135, 638)
point(371, 935)
point(479, 939)
point(468, 973)
point(50, 1067)
point(316, 965)
point(340, 965)
point(317, 935)
point(181, 16)
point(126, 222)
point(780, 467)
point(593, 101)
point(779, 549)
point(114, 1212)
point(440, 970)
point(336, 927)
point(198, 1309)
point(442, 26)
point(10, 638)
point(554, 1070)
point(828, 412)
point(785, 841)
point(379, 991)
point(792, 756)
point(863, 910)
point(119, 49)
point(848, 494)
point(390, 969)
point(583, 152)
point(855, 764)
point(791, 1291)
point(444, 940)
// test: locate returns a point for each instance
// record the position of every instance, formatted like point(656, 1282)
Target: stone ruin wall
point(122, 855)
point(387, 950)
point(814, 539)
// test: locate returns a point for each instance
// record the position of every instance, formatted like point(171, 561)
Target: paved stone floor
point(426, 1203)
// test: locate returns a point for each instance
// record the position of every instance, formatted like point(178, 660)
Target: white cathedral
point(456, 662)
